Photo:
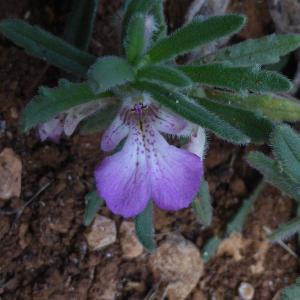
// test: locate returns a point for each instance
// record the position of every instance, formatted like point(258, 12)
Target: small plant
point(144, 96)
point(283, 171)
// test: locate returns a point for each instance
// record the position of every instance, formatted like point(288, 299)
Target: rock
point(102, 233)
point(130, 244)
point(10, 174)
point(246, 291)
point(177, 263)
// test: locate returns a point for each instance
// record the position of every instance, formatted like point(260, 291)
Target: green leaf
point(274, 174)
point(195, 113)
point(81, 21)
point(161, 25)
point(100, 120)
point(285, 230)
point(109, 72)
point(144, 228)
point(238, 221)
point(272, 106)
point(133, 7)
point(202, 205)
point(286, 147)
point(292, 292)
point(237, 78)
point(92, 205)
point(52, 101)
point(210, 248)
point(262, 51)
point(47, 46)
point(135, 39)
point(165, 74)
point(193, 35)
point(254, 125)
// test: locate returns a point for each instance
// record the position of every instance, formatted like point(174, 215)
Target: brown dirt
point(43, 251)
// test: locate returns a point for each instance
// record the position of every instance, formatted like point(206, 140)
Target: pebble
point(177, 263)
point(246, 291)
point(130, 244)
point(102, 233)
point(10, 174)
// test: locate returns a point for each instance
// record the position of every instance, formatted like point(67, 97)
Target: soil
point(43, 249)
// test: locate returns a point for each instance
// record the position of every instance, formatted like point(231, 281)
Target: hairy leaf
point(193, 35)
point(195, 113)
point(286, 147)
point(285, 230)
point(92, 205)
point(135, 39)
point(161, 25)
point(237, 78)
point(144, 228)
point(272, 106)
point(254, 125)
point(109, 72)
point(47, 46)
point(292, 292)
point(202, 205)
point(210, 248)
point(52, 101)
point(238, 221)
point(262, 51)
point(274, 174)
point(166, 75)
point(81, 23)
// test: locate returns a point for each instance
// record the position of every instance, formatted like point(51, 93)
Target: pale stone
point(10, 174)
point(102, 233)
point(130, 244)
point(178, 264)
point(246, 291)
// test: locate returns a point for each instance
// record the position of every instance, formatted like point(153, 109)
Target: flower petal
point(122, 180)
point(197, 144)
point(167, 122)
point(51, 130)
point(175, 176)
point(115, 133)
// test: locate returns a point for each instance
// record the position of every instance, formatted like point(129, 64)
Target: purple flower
point(67, 122)
point(147, 167)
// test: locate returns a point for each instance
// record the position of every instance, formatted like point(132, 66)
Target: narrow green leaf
point(133, 7)
point(109, 72)
point(274, 174)
point(92, 205)
point(210, 248)
point(285, 230)
point(195, 113)
point(193, 35)
point(166, 74)
point(286, 147)
point(238, 221)
point(272, 106)
point(100, 120)
point(47, 46)
point(238, 78)
point(292, 292)
point(81, 21)
point(202, 205)
point(253, 124)
point(161, 25)
point(262, 51)
point(51, 101)
point(135, 39)
point(144, 228)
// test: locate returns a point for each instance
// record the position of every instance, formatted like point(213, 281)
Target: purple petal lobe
point(51, 130)
point(175, 175)
point(115, 133)
point(169, 123)
point(122, 180)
